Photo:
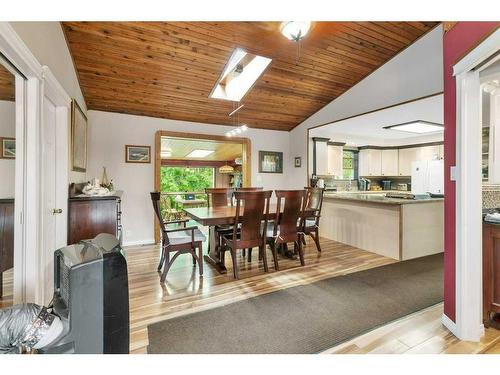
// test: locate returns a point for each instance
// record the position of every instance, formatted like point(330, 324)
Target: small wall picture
point(298, 162)
point(270, 162)
point(7, 148)
point(137, 154)
point(78, 138)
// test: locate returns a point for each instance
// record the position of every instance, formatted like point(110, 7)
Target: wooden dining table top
point(210, 216)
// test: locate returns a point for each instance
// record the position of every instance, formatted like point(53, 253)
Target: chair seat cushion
point(184, 237)
point(310, 222)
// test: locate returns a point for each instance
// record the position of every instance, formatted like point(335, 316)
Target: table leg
point(213, 256)
point(1, 284)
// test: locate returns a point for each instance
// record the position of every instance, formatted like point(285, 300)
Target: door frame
point(38, 81)
point(246, 165)
point(467, 174)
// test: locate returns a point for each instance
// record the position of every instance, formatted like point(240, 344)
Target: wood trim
point(369, 147)
point(329, 143)
point(246, 164)
point(447, 26)
point(376, 110)
point(197, 163)
point(320, 139)
point(137, 161)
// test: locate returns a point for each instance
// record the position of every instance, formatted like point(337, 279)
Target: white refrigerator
point(427, 177)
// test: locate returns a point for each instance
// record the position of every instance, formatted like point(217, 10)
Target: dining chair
point(252, 208)
point(183, 240)
point(220, 197)
point(250, 188)
point(284, 229)
point(310, 223)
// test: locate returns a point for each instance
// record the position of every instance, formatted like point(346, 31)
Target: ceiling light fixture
point(226, 169)
point(418, 127)
point(238, 130)
point(199, 153)
point(295, 30)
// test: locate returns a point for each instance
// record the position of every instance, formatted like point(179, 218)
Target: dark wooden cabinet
point(491, 273)
point(89, 216)
point(6, 237)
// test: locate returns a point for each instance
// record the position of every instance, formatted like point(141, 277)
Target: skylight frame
point(434, 124)
point(229, 66)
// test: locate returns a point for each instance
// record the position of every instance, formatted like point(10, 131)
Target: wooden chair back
point(250, 189)
point(293, 203)
point(155, 199)
point(252, 209)
point(219, 197)
point(314, 200)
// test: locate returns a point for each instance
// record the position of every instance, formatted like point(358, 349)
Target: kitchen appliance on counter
point(403, 187)
point(386, 185)
point(320, 183)
point(364, 184)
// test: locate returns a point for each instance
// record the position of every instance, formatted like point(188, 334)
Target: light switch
point(453, 173)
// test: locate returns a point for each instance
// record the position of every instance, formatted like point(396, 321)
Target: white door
point(54, 191)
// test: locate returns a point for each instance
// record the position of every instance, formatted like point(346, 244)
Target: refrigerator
point(427, 177)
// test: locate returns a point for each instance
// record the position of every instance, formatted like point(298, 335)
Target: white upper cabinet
point(441, 152)
point(321, 158)
point(370, 162)
point(335, 160)
point(390, 162)
point(428, 153)
point(406, 157)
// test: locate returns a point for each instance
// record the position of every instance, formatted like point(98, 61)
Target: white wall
point(110, 132)
point(47, 43)
point(7, 166)
point(415, 72)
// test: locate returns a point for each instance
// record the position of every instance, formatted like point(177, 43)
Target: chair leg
point(243, 252)
point(194, 258)
point(249, 254)
point(167, 265)
point(236, 271)
point(162, 258)
point(303, 240)
point(301, 253)
point(262, 250)
point(200, 258)
point(275, 256)
point(316, 239)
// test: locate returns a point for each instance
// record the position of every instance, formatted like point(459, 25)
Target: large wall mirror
point(8, 172)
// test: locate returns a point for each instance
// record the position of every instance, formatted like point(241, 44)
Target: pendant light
point(295, 30)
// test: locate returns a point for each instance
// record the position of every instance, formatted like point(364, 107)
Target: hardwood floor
point(185, 292)
point(6, 300)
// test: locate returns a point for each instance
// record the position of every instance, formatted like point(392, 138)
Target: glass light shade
point(295, 30)
point(226, 169)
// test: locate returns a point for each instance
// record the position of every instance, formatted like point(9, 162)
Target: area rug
point(309, 318)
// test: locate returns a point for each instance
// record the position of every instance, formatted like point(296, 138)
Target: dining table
point(225, 215)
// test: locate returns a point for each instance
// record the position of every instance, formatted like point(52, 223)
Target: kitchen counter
point(376, 197)
point(396, 228)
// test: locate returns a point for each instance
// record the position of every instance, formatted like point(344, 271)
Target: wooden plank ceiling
point(181, 147)
point(168, 69)
point(7, 85)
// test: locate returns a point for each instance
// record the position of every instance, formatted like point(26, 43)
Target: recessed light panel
point(417, 127)
point(199, 153)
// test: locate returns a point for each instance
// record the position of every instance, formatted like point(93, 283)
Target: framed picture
point(7, 148)
point(270, 162)
point(137, 154)
point(298, 162)
point(78, 138)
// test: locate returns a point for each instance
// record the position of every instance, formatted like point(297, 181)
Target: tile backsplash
point(491, 196)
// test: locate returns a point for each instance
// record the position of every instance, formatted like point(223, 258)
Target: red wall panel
point(463, 37)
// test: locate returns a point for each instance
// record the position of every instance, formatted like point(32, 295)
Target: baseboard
point(146, 242)
point(452, 326)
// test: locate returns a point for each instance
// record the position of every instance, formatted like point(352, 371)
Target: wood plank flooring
point(185, 292)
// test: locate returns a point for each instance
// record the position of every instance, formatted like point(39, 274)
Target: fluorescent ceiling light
point(199, 153)
point(241, 72)
point(417, 127)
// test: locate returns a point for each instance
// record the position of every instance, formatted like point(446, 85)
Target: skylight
point(241, 72)
point(199, 153)
point(417, 127)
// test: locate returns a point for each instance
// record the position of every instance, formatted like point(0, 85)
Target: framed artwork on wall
point(7, 148)
point(78, 138)
point(137, 154)
point(298, 162)
point(270, 162)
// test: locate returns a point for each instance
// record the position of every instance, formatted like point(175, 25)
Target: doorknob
point(56, 211)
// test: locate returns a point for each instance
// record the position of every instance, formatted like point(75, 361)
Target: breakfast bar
point(400, 229)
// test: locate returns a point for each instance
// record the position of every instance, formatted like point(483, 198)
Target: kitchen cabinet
point(335, 160)
point(370, 162)
point(390, 162)
point(406, 157)
point(441, 152)
point(321, 158)
point(428, 153)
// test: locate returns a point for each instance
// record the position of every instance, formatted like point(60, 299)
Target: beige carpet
point(309, 318)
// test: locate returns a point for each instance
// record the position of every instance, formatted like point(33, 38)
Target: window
point(194, 179)
point(350, 164)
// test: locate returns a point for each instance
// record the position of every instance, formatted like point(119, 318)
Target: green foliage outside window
point(348, 164)
point(186, 179)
